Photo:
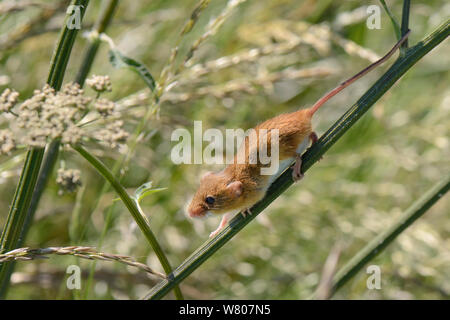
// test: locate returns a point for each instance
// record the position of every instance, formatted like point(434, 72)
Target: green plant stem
point(16, 217)
point(405, 21)
point(49, 160)
point(312, 155)
point(140, 219)
point(379, 243)
point(62, 52)
point(19, 210)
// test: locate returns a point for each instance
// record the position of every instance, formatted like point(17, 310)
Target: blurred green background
point(396, 152)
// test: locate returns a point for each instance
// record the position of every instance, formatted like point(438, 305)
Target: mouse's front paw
point(214, 233)
point(246, 212)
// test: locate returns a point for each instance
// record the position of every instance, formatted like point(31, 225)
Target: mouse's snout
point(196, 211)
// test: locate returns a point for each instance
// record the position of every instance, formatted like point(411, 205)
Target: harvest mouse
point(240, 185)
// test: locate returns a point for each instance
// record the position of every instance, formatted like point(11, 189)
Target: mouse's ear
point(205, 175)
point(235, 187)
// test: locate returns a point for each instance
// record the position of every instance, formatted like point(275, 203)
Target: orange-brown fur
point(293, 129)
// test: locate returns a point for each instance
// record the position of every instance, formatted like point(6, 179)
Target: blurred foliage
point(385, 162)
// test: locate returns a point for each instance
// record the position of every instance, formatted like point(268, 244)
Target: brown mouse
point(240, 185)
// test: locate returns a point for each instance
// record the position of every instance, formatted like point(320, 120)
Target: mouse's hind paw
point(314, 138)
point(297, 174)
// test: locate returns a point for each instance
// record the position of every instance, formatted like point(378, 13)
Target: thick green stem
point(379, 243)
point(62, 52)
point(19, 210)
point(140, 219)
point(11, 238)
point(311, 156)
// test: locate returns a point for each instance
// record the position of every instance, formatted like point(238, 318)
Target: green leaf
point(142, 192)
point(118, 60)
point(146, 190)
point(394, 22)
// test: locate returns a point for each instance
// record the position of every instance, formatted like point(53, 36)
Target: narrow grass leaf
point(146, 190)
point(395, 24)
point(118, 60)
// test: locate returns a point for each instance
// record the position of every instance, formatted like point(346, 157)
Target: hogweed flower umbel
point(50, 115)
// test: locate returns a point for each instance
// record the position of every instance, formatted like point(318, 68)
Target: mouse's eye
point(210, 200)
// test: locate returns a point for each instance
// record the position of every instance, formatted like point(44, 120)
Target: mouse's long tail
point(360, 74)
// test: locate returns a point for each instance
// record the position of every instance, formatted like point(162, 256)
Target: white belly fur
point(284, 164)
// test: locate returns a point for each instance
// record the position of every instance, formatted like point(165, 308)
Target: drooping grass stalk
point(379, 243)
point(12, 232)
point(212, 28)
point(140, 219)
point(312, 155)
point(170, 65)
point(89, 253)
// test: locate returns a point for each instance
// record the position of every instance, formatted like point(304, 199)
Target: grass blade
point(118, 60)
point(395, 24)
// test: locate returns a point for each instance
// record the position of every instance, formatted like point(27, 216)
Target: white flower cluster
point(113, 135)
point(50, 115)
point(100, 83)
point(105, 107)
point(7, 142)
point(8, 100)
